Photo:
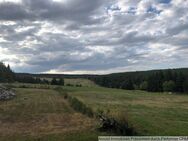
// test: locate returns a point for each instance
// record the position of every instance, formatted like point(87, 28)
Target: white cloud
point(81, 36)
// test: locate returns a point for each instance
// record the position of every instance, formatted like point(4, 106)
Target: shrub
point(118, 124)
point(123, 125)
point(71, 85)
point(77, 105)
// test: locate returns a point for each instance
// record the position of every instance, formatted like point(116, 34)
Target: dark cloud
point(12, 11)
point(79, 11)
point(177, 29)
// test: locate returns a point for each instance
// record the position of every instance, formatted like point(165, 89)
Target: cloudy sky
point(93, 36)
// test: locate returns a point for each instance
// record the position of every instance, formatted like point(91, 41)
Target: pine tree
point(185, 85)
point(128, 85)
point(179, 82)
point(61, 81)
point(155, 82)
point(168, 75)
point(54, 82)
point(6, 74)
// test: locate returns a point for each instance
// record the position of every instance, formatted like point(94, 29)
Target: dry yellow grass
point(37, 112)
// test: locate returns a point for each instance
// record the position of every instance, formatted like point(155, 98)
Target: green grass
point(43, 114)
point(150, 113)
point(28, 85)
point(76, 81)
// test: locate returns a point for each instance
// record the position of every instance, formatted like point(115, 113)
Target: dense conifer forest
point(170, 80)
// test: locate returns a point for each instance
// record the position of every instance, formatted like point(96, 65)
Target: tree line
point(6, 74)
point(36, 80)
point(170, 80)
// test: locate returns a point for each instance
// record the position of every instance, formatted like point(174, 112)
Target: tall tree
point(155, 82)
point(185, 85)
point(128, 85)
point(179, 82)
point(54, 81)
point(61, 81)
point(169, 86)
point(6, 74)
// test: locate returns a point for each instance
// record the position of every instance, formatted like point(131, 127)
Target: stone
point(6, 94)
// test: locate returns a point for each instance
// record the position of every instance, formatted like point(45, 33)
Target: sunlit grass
point(150, 113)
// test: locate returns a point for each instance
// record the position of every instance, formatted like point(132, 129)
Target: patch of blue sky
point(164, 1)
point(132, 10)
point(113, 8)
point(152, 9)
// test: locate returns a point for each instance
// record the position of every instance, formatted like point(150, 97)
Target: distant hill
point(56, 75)
point(173, 80)
point(90, 76)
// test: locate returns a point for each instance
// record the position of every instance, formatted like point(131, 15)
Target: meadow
point(40, 112)
point(43, 114)
point(75, 82)
point(80, 81)
point(149, 113)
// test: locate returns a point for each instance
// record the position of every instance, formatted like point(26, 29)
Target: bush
point(77, 105)
point(118, 124)
point(70, 85)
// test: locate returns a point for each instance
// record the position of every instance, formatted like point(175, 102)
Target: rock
point(6, 94)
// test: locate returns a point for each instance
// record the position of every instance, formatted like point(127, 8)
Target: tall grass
point(76, 104)
point(118, 124)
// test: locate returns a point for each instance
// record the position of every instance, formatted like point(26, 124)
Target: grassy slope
point(150, 113)
point(78, 81)
point(38, 114)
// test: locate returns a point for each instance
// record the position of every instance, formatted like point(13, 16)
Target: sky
point(93, 36)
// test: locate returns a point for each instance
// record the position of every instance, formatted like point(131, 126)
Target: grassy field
point(82, 82)
point(149, 113)
point(77, 81)
point(43, 114)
